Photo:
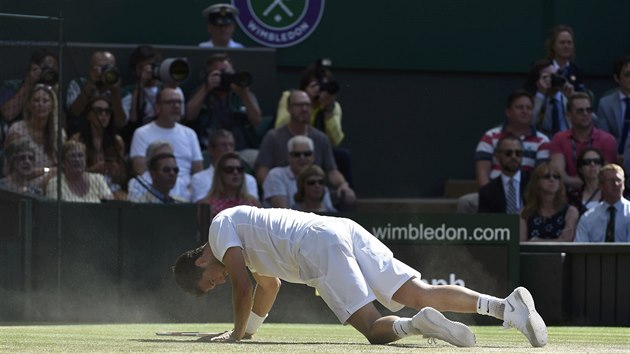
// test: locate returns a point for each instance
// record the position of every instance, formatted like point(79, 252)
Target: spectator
point(273, 150)
point(224, 101)
point(105, 149)
point(14, 94)
point(317, 81)
point(78, 185)
point(103, 80)
point(140, 184)
point(40, 126)
point(504, 194)
point(610, 220)
point(560, 47)
point(567, 145)
point(228, 187)
point(163, 169)
point(220, 142)
point(613, 111)
point(311, 189)
point(519, 123)
point(140, 105)
point(20, 156)
point(550, 98)
point(165, 127)
point(221, 25)
point(547, 216)
point(589, 163)
point(281, 185)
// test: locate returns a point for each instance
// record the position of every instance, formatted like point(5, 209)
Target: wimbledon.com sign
point(443, 232)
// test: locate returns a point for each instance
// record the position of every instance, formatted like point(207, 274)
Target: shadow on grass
point(244, 342)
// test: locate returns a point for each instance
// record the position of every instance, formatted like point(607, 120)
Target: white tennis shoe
point(521, 314)
point(433, 324)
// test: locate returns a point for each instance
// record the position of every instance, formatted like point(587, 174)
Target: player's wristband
point(254, 322)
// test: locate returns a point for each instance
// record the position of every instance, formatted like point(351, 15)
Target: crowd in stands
point(555, 161)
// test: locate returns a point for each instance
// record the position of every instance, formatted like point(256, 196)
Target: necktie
point(511, 207)
point(555, 116)
point(626, 124)
point(610, 228)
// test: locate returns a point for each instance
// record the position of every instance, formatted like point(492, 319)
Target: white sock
point(403, 328)
point(490, 306)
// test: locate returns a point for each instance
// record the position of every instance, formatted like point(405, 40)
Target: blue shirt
point(592, 225)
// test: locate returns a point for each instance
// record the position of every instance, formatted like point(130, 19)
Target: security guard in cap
point(221, 25)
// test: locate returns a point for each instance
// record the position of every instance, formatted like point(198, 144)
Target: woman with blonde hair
point(547, 216)
point(228, 185)
point(311, 185)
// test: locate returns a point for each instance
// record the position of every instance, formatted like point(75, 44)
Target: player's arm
point(242, 289)
point(265, 295)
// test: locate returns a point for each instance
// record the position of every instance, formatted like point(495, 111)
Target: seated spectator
point(104, 148)
point(317, 81)
point(163, 169)
point(14, 94)
point(567, 145)
point(560, 47)
point(40, 126)
point(20, 156)
point(613, 112)
point(610, 220)
point(103, 80)
point(139, 185)
point(273, 150)
point(221, 102)
point(504, 194)
point(221, 25)
point(77, 185)
point(311, 189)
point(589, 162)
point(280, 184)
point(550, 98)
point(519, 123)
point(228, 185)
point(166, 127)
point(220, 142)
point(140, 104)
point(547, 216)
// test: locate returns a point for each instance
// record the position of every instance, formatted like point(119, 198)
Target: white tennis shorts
point(350, 267)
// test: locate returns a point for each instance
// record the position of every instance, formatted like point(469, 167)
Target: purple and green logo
point(279, 23)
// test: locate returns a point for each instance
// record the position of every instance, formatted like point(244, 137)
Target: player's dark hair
point(186, 272)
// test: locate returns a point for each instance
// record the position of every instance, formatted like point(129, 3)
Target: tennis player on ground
point(350, 269)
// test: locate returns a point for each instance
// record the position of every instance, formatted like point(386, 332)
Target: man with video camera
point(103, 80)
point(224, 101)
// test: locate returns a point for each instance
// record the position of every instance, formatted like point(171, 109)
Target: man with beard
point(504, 194)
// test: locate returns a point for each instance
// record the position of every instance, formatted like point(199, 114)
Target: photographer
point(550, 92)
point(103, 81)
point(224, 101)
point(317, 81)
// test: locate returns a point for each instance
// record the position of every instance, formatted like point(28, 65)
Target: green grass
point(291, 338)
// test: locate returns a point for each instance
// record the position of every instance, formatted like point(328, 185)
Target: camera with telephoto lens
point(109, 74)
point(49, 76)
point(557, 81)
point(172, 70)
point(321, 70)
point(240, 79)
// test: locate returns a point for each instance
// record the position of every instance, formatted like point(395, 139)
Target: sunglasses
point(509, 152)
point(167, 169)
point(99, 110)
point(232, 169)
point(594, 161)
point(584, 110)
point(172, 102)
point(550, 176)
point(301, 153)
point(313, 181)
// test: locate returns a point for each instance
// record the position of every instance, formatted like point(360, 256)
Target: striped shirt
point(535, 146)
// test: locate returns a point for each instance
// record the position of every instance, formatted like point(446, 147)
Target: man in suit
point(504, 194)
point(613, 113)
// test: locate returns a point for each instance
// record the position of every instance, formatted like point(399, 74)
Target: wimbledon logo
point(279, 23)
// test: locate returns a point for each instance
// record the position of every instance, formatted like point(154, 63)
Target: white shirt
point(231, 44)
point(592, 225)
